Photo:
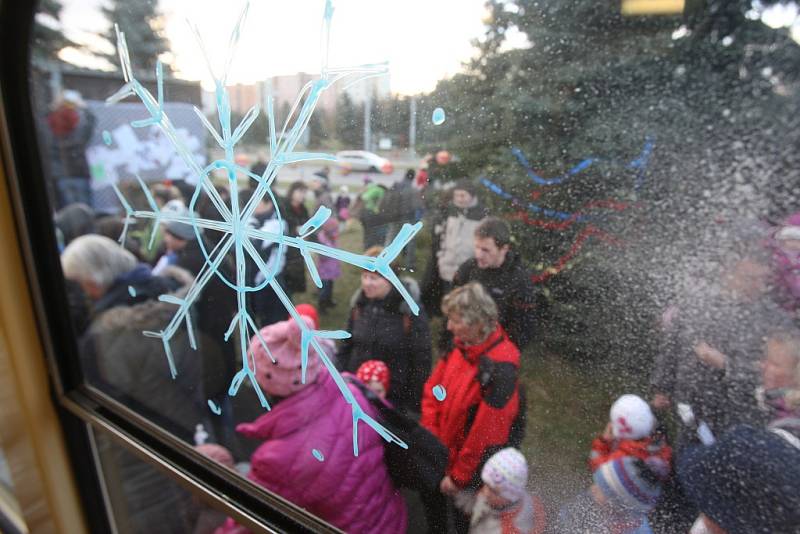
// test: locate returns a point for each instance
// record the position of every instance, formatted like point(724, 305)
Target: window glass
point(141, 497)
point(551, 247)
point(5, 474)
point(10, 512)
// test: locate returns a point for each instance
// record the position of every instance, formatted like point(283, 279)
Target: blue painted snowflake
point(237, 237)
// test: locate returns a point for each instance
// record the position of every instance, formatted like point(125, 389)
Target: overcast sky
point(423, 40)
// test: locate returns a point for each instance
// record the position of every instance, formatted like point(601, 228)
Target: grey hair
point(96, 258)
point(474, 305)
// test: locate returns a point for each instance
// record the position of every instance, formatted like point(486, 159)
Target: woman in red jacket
point(477, 385)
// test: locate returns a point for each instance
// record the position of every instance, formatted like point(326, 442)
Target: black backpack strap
point(498, 381)
point(484, 356)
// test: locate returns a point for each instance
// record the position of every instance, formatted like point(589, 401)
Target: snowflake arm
point(159, 118)
point(185, 304)
point(380, 264)
point(238, 236)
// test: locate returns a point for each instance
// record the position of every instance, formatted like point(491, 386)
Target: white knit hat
point(506, 472)
point(788, 232)
point(631, 418)
point(73, 97)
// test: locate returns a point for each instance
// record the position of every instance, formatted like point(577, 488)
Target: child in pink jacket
point(306, 455)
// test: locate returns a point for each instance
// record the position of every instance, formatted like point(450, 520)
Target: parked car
point(361, 160)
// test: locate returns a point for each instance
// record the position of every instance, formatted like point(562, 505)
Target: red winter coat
point(656, 454)
point(481, 403)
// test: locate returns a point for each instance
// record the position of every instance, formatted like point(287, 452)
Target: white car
point(361, 160)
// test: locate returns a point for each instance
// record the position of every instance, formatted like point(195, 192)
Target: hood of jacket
point(140, 309)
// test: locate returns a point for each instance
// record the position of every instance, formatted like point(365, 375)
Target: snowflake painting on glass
point(238, 240)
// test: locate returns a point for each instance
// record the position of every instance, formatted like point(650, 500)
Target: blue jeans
point(72, 190)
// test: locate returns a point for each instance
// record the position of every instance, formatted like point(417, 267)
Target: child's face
point(462, 199)
point(778, 365)
point(265, 206)
point(493, 498)
point(598, 495)
point(299, 196)
point(791, 246)
point(377, 388)
point(749, 277)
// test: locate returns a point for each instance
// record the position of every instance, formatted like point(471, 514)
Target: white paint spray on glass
point(237, 237)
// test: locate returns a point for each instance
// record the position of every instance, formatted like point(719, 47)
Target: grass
point(567, 402)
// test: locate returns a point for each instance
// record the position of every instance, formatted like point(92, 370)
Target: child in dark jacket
point(630, 433)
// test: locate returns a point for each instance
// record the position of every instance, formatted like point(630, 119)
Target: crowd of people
point(729, 369)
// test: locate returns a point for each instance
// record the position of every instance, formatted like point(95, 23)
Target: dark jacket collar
point(144, 286)
point(390, 302)
point(511, 261)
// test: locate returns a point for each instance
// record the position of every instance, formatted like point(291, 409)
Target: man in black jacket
point(500, 271)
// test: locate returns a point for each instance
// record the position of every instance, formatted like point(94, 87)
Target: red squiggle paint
point(558, 266)
point(563, 225)
point(607, 204)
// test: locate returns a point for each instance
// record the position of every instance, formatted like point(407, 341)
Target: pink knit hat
point(282, 377)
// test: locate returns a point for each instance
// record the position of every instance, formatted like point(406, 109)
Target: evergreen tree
point(319, 131)
point(349, 123)
point(48, 37)
point(143, 27)
point(594, 83)
point(390, 118)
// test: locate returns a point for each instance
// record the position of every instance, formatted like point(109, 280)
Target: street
point(353, 180)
